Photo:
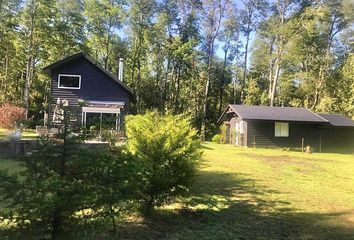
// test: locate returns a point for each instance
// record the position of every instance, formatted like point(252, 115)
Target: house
point(265, 126)
point(98, 97)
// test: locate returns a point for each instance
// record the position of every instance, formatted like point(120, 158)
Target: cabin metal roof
point(78, 55)
point(337, 120)
point(290, 114)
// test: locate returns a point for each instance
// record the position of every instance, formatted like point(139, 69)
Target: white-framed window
point(281, 129)
point(101, 118)
point(69, 81)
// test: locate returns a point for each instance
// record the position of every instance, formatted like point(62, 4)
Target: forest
point(187, 56)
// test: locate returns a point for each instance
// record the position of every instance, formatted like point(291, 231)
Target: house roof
point(291, 114)
point(338, 120)
point(75, 56)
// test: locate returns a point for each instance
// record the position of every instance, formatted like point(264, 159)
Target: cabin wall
point(337, 140)
point(230, 123)
point(261, 134)
point(95, 85)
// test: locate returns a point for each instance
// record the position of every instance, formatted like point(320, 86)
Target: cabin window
point(69, 81)
point(101, 118)
point(281, 129)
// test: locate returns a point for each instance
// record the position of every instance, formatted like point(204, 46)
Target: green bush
point(216, 138)
point(168, 149)
point(63, 178)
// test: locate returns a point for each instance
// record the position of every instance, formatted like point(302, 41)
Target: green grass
point(251, 194)
point(259, 194)
point(26, 134)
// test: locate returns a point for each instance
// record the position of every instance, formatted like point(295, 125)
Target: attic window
point(281, 129)
point(69, 81)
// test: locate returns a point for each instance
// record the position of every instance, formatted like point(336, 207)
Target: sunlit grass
point(242, 193)
point(246, 193)
point(26, 133)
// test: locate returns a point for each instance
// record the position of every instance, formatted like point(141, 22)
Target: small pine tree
point(168, 149)
point(62, 179)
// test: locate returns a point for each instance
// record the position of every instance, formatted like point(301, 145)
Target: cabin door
point(237, 135)
point(240, 129)
point(228, 133)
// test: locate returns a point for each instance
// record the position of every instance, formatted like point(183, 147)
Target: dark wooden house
point(98, 97)
point(264, 126)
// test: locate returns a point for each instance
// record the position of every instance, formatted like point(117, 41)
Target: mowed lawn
point(260, 194)
point(255, 194)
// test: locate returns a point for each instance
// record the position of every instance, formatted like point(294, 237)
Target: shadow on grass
point(205, 146)
point(232, 206)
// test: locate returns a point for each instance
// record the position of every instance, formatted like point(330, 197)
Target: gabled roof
point(291, 114)
point(338, 120)
point(75, 56)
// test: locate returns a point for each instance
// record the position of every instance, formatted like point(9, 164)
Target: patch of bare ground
point(303, 164)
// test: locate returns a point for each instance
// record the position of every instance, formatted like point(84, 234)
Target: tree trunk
point(30, 60)
point(149, 206)
point(108, 41)
point(56, 224)
point(222, 80)
point(275, 82)
point(324, 68)
point(276, 74)
point(243, 84)
point(113, 219)
point(206, 93)
point(5, 79)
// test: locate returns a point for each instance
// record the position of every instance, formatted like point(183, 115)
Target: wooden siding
point(324, 139)
point(337, 139)
point(95, 85)
point(262, 134)
point(230, 122)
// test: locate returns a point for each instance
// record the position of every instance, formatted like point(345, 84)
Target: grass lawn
point(260, 194)
point(26, 134)
point(256, 194)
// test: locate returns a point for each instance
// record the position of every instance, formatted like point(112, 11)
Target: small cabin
point(264, 126)
point(96, 96)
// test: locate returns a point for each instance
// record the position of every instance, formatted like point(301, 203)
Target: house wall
point(262, 134)
point(337, 140)
point(95, 85)
point(230, 121)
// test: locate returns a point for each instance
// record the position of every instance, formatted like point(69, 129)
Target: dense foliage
point(69, 189)
point(11, 116)
point(64, 185)
point(187, 56)
point(169, 152)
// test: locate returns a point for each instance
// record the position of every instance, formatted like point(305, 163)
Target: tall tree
point(213, 13)
point(105, 18)
point(252, 13)
point(140, 18)
point(229, 38)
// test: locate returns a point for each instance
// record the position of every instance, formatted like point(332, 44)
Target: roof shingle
point(338, 120)
point(277, 113)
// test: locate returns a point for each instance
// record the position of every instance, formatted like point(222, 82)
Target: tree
point(105, 18)
point(140, 18)
point(169, 152)
point(252, 13)
point(213, 14)
point(64, 178)
point(230, 38)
